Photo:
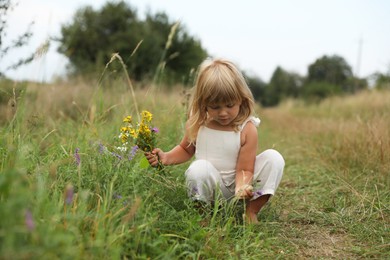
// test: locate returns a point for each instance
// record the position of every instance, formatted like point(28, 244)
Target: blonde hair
point(218, 81)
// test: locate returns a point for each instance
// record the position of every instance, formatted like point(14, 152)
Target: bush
point(316, 91)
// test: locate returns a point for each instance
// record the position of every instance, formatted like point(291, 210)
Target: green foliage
point(382, 81)
point(93, 36)
point(333, 70)
point(10, 89)
point(281, 86)
point(184, 56)
point(257, 87)
point(358, 84)
point(327, 76)
point(330, 75)
point(316, 91)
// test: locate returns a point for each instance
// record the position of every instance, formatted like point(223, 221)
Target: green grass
point(333, 201)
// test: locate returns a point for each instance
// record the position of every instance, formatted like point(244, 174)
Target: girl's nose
point(222, 112)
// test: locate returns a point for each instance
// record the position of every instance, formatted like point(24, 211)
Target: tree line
point(146, 46)
point(157, 49)
point(326, 76)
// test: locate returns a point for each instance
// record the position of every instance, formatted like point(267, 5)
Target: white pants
point(203, 179)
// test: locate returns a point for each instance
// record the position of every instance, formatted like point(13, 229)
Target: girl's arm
point(179, 154)
point(246, 161)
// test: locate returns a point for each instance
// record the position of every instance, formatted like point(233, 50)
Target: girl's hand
point(155, 157)
point(244, 192)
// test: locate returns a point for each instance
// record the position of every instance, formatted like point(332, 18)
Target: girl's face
point(223, 114)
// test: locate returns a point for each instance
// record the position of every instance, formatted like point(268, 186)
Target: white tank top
point(221, 149)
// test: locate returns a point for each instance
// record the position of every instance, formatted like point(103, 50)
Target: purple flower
point(117, 196)
point(29, 221)
point(101, 148)
point(133, 151)
point(69, 192)
point(155, 130)
point(116, 155)
point(258, 193)
point(195, 190)
point(77, 156)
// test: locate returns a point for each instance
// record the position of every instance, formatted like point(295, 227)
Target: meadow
point(67, 192)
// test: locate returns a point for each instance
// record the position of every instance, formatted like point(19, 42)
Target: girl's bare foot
point(253, 207)
point(251, 218)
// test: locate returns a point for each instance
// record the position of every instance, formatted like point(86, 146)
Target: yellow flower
point(123, 138)
point(127, 119)
point(133, 133)
point(143, 135)
point(146, 116)
point(144, 129)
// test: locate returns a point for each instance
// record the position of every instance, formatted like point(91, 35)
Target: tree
point(185, 54)
point(331, 75)
point(315, 91)
point(22, 40)
point(382, 81)
point(93, 36)
point(333, 70)
point(257, 87)
point(283, 84)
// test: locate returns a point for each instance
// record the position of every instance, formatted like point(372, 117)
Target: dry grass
point(337, 172)
point(351, 132)
point(85, 101)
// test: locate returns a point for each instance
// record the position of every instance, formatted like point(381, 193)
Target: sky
point(258, 35)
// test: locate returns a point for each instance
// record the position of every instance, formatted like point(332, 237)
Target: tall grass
point(339, 171)
point(67, 192)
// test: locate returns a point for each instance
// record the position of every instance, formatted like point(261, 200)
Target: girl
point(221, 132)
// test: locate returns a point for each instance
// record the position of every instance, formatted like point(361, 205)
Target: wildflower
point(122, 148)
point(144, 129)
point(102, 148)
point(195, 190)
point(258, 193)
point(133, 133)
point(117, 196)
point(117, 155)
point(146, 116)
point(68, 194)
point(127, 119)
point(123, 137)
point(29, 221)
point(143, 136)
point(133, 151)
point(77, 156)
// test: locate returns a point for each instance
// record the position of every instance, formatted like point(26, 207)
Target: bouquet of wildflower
point(143, 135)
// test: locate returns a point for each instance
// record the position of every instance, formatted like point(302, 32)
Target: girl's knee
point(199, 169)
point(273, 157)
